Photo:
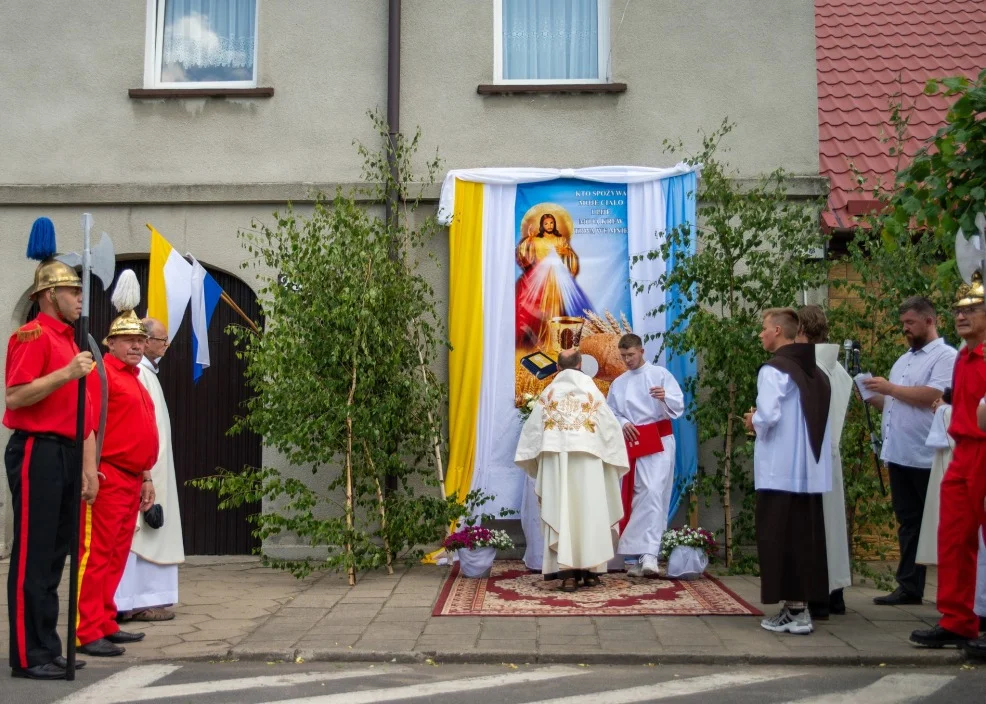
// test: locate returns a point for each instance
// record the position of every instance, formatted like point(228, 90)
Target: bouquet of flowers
point(689, 537)
point(472, 537)
point(529, 401)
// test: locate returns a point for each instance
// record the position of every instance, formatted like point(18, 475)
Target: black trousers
point(908, 490)
point(41, 473)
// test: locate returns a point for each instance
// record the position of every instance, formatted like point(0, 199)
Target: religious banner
point(573, 279)
point(542, 260)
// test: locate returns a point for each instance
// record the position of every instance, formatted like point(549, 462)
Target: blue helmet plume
point(41, 243)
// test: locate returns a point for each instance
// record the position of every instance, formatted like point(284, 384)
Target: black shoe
point(63, 663)
point(937, 637)
point(101, 648)
point(837, 604)
point(976, 648)
point(48, 671)
point(125, 637)
point(819, 611)
point(982, 624)
point(898, 598)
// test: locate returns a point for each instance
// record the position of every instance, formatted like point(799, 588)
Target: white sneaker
point(648, 565)
point(786, 622)
point(635, 569)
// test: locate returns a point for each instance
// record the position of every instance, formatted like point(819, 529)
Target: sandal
point(591, 580)
point(569, 584)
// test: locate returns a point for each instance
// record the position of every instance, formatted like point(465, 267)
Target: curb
point(921, 658)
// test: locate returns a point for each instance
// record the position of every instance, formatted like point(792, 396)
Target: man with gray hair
point(150, 580)
point(917, 379)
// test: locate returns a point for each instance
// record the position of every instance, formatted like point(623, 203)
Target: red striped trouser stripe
point(22, 553)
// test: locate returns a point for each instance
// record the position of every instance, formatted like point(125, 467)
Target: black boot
point(837, 604)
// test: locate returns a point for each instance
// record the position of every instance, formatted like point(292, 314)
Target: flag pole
point(80, 429)
point(239, 311)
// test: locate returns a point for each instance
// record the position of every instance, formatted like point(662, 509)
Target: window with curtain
point(552, 40)
point(205, 42)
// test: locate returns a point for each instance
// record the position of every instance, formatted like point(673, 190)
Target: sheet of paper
point(864, 392)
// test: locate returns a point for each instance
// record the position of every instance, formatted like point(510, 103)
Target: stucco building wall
point(200, 169)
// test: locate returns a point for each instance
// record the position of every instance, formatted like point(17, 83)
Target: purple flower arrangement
point(472, 537)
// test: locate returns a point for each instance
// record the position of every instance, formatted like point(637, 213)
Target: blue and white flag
point(205, 297)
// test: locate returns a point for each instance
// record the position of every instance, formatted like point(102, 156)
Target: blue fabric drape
point(550, 39)
point(208, 40)
point(679, 197)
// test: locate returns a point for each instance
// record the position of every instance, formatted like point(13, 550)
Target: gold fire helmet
point(971, 294)
point(126, 296)
point(52, 273)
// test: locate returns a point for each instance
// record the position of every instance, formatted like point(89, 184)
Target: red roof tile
point(869, 50)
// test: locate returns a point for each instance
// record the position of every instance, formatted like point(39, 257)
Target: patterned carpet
point(511, 590)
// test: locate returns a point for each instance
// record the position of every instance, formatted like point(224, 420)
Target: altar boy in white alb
point(150, 580)
point(644, 400)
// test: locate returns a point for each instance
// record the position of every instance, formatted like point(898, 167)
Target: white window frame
point(154, 50)
point(602, 50)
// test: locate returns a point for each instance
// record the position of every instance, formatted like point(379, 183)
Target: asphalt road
point(509, 683)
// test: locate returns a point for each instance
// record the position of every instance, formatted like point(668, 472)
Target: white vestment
point(782, 456)
point(834, 502)
point(630, 399)
point(943, 444)
point(574, 448)
point(151, 575)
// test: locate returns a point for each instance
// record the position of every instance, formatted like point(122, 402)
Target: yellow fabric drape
point(465, 360)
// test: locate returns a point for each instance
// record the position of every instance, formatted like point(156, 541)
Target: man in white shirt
point(150, 581)
point(792, 468)
point(917, 379)
point(644, 400)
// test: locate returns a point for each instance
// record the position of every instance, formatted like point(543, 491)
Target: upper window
point(201, 44)
point(551, 41)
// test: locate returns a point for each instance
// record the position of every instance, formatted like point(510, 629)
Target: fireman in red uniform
point(42, 460)
point(129, 450)
point(963, 490)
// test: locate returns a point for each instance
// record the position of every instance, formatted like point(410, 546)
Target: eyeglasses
point(967, 311)
point(160, 339)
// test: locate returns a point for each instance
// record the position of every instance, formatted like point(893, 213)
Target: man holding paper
point(917, 379)
point(645, 399)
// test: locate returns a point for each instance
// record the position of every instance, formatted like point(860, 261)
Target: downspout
point(393, 107)
point(393, 129)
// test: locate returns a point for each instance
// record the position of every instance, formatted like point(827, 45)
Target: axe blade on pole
point(103, 259)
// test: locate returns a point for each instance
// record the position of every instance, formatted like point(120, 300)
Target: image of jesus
point(546, 288)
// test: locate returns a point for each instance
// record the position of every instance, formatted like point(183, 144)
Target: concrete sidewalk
point(233, 608)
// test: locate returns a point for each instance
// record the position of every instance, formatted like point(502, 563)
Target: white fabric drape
point(498, 425)
point(550, 39)
point(512, 176)
point(646, 213)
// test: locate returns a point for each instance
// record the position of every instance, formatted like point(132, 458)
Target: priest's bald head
point(570, 359)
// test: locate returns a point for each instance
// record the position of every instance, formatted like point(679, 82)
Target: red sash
point(648, 443)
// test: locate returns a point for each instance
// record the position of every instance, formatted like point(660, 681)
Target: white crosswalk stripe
point(133, 684)
point(892, 689)
point(433, 689)
point(673, 688)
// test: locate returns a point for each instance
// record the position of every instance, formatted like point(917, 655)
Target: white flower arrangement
point(691, 538)
point(528, 402)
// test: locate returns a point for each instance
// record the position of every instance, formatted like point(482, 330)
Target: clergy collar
point(149, 363)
